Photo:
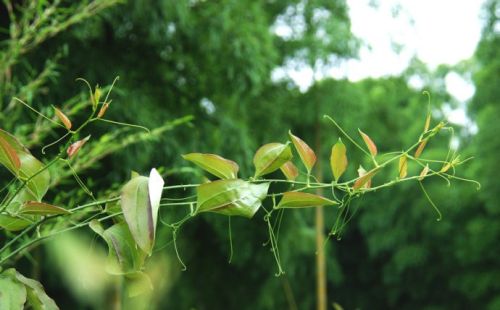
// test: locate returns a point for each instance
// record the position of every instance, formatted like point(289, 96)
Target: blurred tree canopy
point(214, 60)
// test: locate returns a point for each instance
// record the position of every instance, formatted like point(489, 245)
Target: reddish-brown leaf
point(75, 147)
point(369, 143)
point(103, 110)
point(40, 208)
point(420, 148)
point(10, 154)
point(365, 178)
point(306, 154)
point(290, 171)
point(63, 118)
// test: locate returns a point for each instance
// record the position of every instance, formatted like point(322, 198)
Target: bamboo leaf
point(306, 154)
point(231, 197)
point(40, 208)
point(271, 157)
point(290, 171)
point(365, 178)
point(369, 143)
point(403, 166)
point(63, 118)
point(338, 159)
point(75, 147)
point(303, 200)
point(214, 164)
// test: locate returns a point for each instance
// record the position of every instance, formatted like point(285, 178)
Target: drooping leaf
point(303, 200)
point(63, 118)
point(290, 171)
point(420, 148)
point(231, 197)
point(8, 156)
point(369, 143)
point(140, 201)
point(271, 157)
point(338, 159)
point(37, 298)
point(306, 154)
point(40, 208)
point(365, 178)
point(424, 172)
point(124, 257)
point(403, 166)
point(11, 223)
point(75, 147)
point(214, 164)
point(12, 293)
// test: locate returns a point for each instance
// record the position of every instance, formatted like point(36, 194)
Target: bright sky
point(436, 31)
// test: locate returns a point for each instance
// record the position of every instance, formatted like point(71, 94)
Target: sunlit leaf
point(8, 156)
point(446, 167)
point(37, 298)
point(124, 257)
point(231, 197)
point(75, 147)
point(420, 148)
point(63, 118)
point(290, 171)
point(214, 164)
point(424, 172)
point(305, 152)
point(369, 143)
point(40, 208)
point(12, 293)
point(11, 223)
point(365, 178)
point(338, 159)
point(403, 166)
point(271, 157)
point(303, 200)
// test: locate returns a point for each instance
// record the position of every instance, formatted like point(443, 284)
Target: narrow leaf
point(231, 197)
point(271, 157)
point(40, 208)
point(305, 152)
point(214, 164)
point(75, 147)
point(427, 122)
point(11, 223)
point(369, 143)
point(365, 178)
point(63, 118)
point(403, 166)
point(137, 209)
point(303, 200)
point(8, 156)
point(290, 171)
point(446, 167)
point(338, 159)
point(420, 148)
point(103, 110)
point(424, 172)
point(155, 187)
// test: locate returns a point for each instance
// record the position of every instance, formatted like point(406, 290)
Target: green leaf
point(306, 154)
point(214, 164)
point(271, 157)
point(140, 208)
point(290, 171)
point(231, 197)
point(10, 223)
point(365, 178)
point(303, 200)
point(37, 298)
point(8, 155)
point(124, 257)
point(12, 293)
point(338, 159)
point(40, 208)
point(138, 284)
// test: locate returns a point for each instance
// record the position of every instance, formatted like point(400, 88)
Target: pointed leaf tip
point(290, 171)
point(306, 154)
point(365, 178)
point(369, 143)
point(8, 155)
point(403, 166)
point(214, 164)
point(75, 147)
point(303, 200)
point(63, 118)
point(271, 157)
point(338, 159)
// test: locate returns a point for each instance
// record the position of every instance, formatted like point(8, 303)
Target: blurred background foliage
point(200, 73)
